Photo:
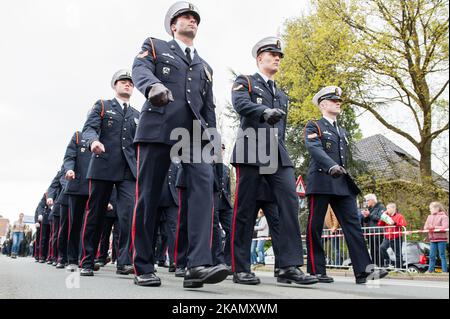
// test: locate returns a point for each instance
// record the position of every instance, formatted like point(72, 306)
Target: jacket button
point(149, 108)
point(190, 69)
point(123, 138)
point(189, 79)
point(125, 129)
point(123, 147)
point(189, 91)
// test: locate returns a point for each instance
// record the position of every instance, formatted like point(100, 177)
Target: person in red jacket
point(393, 237)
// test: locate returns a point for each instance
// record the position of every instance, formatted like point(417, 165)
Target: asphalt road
point(23, 278)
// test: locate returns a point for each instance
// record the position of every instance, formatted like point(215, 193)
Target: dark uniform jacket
point(77, 159)
point(374, 216)
point(169, 195)
point(250, 101)
point(116, 132)
point(56, 191)
point(42, 209)
point(191, 87)
point(327, 148)
point(222, 186)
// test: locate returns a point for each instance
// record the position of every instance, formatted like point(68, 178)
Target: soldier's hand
point(40, 218)
point(337, 171)
point(159, 95)
point(70, 175)
point(49, 201)
point(97, 147)
point(37, 225)
point(110, 207)
point(273, 116)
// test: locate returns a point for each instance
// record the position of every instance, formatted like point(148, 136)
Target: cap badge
point(166, 70)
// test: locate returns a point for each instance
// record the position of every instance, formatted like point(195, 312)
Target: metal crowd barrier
point(386, 246)
point(397, 254)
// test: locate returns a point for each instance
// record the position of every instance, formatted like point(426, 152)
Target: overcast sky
point(58, 56)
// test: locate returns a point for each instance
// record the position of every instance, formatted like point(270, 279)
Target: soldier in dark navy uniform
point(178, 86)
point(110, 224)
point(110, 130)
point(168, 211)
point(223, 214)
point(76, 163)
point(54, 192)
point(41, 217)
point(263, 108)
point(329, 183)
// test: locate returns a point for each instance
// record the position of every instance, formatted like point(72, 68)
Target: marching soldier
point(42, 239)
point(110, 224)
point(223, 214)
point(329, 184)
point(168, 211)
point(109, 130)
point(54, 192)
point(262, 108)
point(76, 162)
point(178, 86)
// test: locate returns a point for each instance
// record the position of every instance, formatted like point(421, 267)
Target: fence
point(389, 247)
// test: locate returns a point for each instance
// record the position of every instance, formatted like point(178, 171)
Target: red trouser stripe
point(40, 242)
point(133, 225)
point(70, 227)
point(175, 254)
point(236, 202)
point(311, 251)
point(87, 211)
point(212, 224)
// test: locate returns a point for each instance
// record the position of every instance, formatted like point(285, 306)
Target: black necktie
point(125, 108)
point(272, 85)
point(188, 55)
point(335, 126)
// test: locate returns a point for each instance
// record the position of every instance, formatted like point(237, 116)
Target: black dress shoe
point(100, 263)
point(296, 275)
point(86, 272)
point(41, 261)
point(163, 264)
point(172, 268)
point(246, 278)
point(374, 275)
point(50, 262)
point(60, 266)
point(125, 270)
point(72, 267)
point(54, 263)
point(147, 280)
point(323, 278)
point(96, 267)
point(197, 276)
point(180, 272)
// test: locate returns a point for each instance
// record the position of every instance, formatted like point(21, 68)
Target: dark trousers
point(221, 249)
point(63, 234)
point(181, 237)
point(153, 164)
point(77, 207)
point(396, 246)
point(44, 233)
point(54, 239)
point(109, 225)
point(168, 228)
point(99, 196)
point(282, 183)
point(346, 212)
point(270, 210)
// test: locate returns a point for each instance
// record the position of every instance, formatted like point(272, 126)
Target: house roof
point(390, 161)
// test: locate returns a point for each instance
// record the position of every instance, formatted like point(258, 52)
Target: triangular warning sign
point(300, 186)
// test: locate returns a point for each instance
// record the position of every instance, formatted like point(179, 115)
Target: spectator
point(437, 220)
point(371, 218)
point(332, 224)
point(18, 231)
point(393, 236)
point(262, 231)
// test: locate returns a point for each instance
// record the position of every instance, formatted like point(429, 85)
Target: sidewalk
point(392, 275)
